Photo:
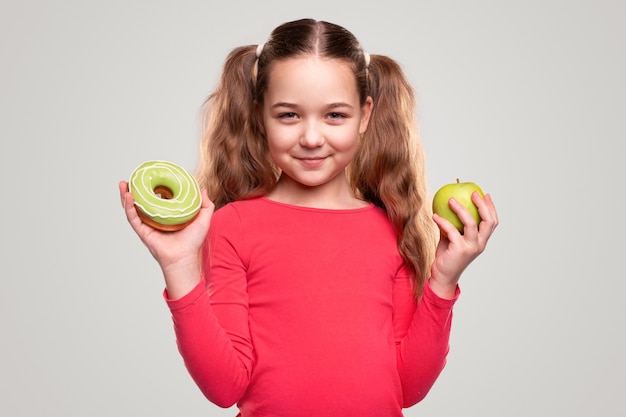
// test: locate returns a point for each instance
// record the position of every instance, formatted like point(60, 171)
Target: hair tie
point(259, 49)
point(366, 57)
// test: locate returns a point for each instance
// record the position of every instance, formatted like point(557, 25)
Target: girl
point(313, 282)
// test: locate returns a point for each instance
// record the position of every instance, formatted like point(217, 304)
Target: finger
point(447, 230)
point(206, 206)
point(123, 186)
point(492, 209)
point(489, 221)
point(470, 227)
point(131, 212)
point(128, 204)
point(206, 211)
point(206, 201)
point(487, 212)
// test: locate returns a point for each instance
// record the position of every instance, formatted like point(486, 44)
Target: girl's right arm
point(213, 339)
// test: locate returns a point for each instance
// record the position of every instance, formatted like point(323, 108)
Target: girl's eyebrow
point(339, 104)
point(293, 105)
point(283, 104)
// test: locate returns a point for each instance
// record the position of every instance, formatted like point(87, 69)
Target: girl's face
point(312, 119)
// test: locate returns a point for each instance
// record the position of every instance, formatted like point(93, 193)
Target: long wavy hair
point(389, 167)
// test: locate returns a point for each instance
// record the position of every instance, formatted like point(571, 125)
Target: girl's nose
point(312, 137)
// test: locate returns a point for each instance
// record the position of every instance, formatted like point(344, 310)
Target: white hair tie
point(259, 49)
point(366, 56)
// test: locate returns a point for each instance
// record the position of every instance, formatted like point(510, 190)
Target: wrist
point(445, 290)
point(182, 276)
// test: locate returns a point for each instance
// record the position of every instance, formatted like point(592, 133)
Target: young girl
point(313, 282)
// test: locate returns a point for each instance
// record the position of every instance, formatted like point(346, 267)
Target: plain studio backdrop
point(525, 98)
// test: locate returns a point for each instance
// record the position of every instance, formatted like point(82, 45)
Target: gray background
point(525, 98)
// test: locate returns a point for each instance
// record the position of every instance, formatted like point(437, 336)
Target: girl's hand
point(178, 253)
point(456, 251)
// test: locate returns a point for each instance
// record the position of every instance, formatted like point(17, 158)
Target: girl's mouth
point(312, 161)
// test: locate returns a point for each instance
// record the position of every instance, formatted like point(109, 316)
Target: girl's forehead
point(309, 77)
point(312, 68)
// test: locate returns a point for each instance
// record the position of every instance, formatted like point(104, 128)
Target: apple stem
point(457, 181)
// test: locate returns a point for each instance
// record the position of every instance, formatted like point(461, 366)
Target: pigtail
point(389, 169)
point(233, 158)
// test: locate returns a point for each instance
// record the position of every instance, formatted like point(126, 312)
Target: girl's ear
point(258, 117)
point(366, 112)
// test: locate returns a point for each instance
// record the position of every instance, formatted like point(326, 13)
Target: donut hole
point(163, 192)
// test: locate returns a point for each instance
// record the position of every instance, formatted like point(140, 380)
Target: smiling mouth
point(312, 161)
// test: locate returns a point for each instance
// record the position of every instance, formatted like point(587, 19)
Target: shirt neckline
point(318, 209)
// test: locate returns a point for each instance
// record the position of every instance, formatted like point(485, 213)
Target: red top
point(309, 312)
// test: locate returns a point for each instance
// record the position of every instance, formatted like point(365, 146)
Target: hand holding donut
point(176, 248)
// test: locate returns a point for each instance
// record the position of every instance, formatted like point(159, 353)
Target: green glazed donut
point(166, 196)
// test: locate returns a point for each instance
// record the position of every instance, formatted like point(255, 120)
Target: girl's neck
point(339, 196)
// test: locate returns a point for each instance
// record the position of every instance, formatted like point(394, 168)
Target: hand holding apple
point(455, 251)
point(461, 192)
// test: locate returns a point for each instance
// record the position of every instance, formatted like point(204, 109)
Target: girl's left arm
point(423, 339)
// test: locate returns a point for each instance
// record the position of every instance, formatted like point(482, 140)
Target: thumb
point(206, 210)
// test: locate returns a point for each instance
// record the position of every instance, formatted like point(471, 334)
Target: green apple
point(461, 192)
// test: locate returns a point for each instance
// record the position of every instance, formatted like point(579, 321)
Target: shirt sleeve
point(211, 322)
point(422, 334)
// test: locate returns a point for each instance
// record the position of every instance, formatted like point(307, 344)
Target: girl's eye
point(288, 115)
point(336, 116)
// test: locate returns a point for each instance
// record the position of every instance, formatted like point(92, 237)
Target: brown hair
point(389, 167)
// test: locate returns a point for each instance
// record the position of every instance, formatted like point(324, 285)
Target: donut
point(167, 197)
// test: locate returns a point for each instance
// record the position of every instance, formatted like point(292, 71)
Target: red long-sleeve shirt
point(309, 312)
